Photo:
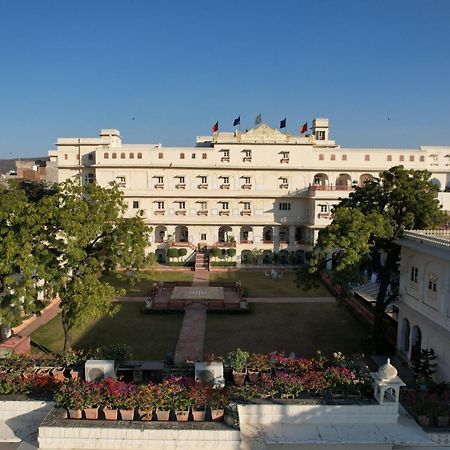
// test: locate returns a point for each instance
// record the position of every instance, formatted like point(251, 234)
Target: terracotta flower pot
point(75, 413)
point(128, 414)
point(110, 414)
point(217, 415)
point(162, 415)
point(239, 378)
point(145, 414)
point(91, 413)
point(182, 416)
point(253, 376)
point(58, 374)
point(74, 374)
point(199, 415)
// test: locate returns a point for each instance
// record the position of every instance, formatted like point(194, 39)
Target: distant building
point(255, 189)
point(37, 170)
point(424, 304)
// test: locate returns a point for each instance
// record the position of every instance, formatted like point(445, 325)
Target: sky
point(166, 71)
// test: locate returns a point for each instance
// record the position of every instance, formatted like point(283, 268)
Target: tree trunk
point(378, 337)
point(67, 334)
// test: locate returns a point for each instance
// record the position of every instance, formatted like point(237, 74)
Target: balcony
point(225, 159)
point(284, 160)
point(160, 212)
point(202, 212)
point(247, 159)
point(159, 186)
point(284, 186)
point(180, 212)
point(224, 212)
point(225, 186)
point(268, 242)
point(180, 186)
point(244, 241)
point(246, 186)
point(122, 184)
point(323, 215)
point(203, 186)
point(330, 187)
point(246, 212)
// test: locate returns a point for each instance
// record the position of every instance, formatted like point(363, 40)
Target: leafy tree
point(172, 253)
point(231, 252)
point(368, 223)
point(215, 252)
point(256, 255)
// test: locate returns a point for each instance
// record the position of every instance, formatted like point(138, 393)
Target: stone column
point(258, 234)
point(291, 235)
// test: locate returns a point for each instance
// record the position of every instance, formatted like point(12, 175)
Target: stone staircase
point(201, 260)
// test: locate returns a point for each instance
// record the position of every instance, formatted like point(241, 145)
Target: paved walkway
point(192, 334)
point(33, 323)
point(290, 299)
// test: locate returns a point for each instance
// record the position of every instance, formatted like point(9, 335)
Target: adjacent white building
point(424, 304)
point(260, 188)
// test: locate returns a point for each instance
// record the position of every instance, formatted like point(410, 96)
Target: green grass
point(258, 285)
point(143, 287)
point(302, 328)
point(150, 337)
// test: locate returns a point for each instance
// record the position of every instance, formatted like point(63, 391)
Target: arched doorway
point(436, 182)
point(181, 233)
point(343, 181)
point(224, 233)
point(320, 180)
point(161, 255)
point(267, 257)
point(246, 235)
point(405, 336)
point(268, 234)
point(416, 343)
point(284, 257)
point(284, 234)
point(365, 178)
point(246, 256)
point(160, 234)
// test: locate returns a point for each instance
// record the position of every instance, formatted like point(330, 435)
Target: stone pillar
point(276, 234)
point(258, 234)
point(291, 235)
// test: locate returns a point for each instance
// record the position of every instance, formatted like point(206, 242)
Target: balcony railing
point(181, 186)
point(202, 212)
point(203, 186)
point(224, 212)
point(330, 187)
point(284, 160)
point(225, 186)
point(245, 241)
point(246, 212)
point(159, 186)
point(323, 215)
point(122, 184)
point(246, 186)
point(284, 186)
point(224, 244)
point(247, 159)
point(180, 212)
point(160, 212)
point(225, 159)
point(268, 242)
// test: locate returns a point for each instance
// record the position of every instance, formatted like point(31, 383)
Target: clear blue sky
point(69, 68)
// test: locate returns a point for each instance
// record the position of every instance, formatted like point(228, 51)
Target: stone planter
point(239, 378)
point(110, 414)
point(442, 421)
point(217, 415)
point(74, 413)
point(199, 415)
point(253, 376)
point(182, 416)
point(145, 414)
point(128, 414)
point(162, 415)
point(91, 413)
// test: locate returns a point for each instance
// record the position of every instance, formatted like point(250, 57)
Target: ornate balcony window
point(224, 212)
point(246, 212)
point(225, 186)
point(180, 212)
point(160, 212)
point(202, 212)
point(159, 186)
point(181, 186)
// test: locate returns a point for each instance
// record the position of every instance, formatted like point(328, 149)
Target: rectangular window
point(414, 274)
point(66, 156)
point(160, 180)
point(90, 156)
point(367, 158)
point(204, 155)
point(135, 204)
point(160, 205)
point(332, 157)
point(225, 205)
point(203, 205)
point(248, 153)
point(344, 157)
point(181, 180)
point(411, 158)
point(193, 156)
point(422, 158)
point(160, 155)
point(401, 158)
point(121, 180)
point(182, 205)
point(203, 236)
point(226, 180)
point(285, 206)
point(321, 157)
point(283, 180)
point(246, 205)
point(323, 208)
point(389, 158)
point(432, 282)
point(320, 135)
point(204, 180)
point(247, 180)
point(226, 153)
point(181, 155)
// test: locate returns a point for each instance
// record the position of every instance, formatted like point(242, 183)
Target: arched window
point(106, 155)
point(139, 156)
point(122, 156)
point(131, 155)
point(114, 156)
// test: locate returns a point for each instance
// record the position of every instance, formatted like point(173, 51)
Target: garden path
point(192, 334)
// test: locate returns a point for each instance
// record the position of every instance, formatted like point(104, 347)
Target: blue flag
point(237, 121)
point(283, 123)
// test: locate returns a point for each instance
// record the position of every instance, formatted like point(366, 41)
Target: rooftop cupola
point(320, 129)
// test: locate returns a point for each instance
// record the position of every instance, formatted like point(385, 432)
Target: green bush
point(182, 263)
point(215, 252)
point(223, 263)
point(231, 252)
point(172, 253)
point(117, 352)
point(182, 252)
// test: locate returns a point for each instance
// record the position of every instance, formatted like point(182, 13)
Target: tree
point(87, 235)
point(172, 253)
point(182, 252)
point(231, 252)
point(367, 223)
point(215, 252)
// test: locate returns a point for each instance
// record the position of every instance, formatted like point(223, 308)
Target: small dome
point(387, 372)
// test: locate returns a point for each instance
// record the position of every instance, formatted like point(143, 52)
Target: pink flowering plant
point(118, 394)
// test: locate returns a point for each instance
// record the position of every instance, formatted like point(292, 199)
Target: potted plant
point(237, 359)
point(199, 398)
point(146, 400)
point(117, 394)
point(93, 400)
point(128, 402)
point(71, 396)
point(180, 401)
point(218, 401)
point(257, 363)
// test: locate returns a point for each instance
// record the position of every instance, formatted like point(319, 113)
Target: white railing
point(434, 237)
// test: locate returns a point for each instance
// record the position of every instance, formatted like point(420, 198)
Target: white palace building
point(255, 189)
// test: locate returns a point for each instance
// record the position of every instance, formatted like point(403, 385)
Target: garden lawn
point(144, 287)
point(302, 328)
point(257, 284)
point(150, 336)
